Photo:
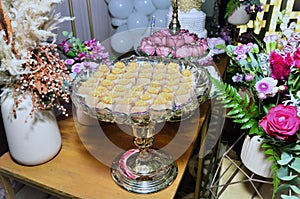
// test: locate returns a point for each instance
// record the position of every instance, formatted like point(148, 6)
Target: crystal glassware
point(145, 169)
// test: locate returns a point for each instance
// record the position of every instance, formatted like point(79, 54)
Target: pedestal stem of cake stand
point(144, 169)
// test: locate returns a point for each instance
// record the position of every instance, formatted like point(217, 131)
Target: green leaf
point(65, 33)
point(282, 187)
point(269, 152)
point(240, 115)
point(296, 165)
point(285, 158)
point(242, 120)
point(254, 130)
point(295, 189)
point(283, 171)
point(288, 197)
point(288, 178)
point(246, 100)
point(249, 125)
point(234, 111)
point(265, 145)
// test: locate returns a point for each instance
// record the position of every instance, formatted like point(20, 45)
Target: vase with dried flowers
point(269, 70)
point(33, 79)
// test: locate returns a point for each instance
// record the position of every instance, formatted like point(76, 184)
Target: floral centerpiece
point(82, 54)
point(164, 43)
point(29, 62)
point(252, 6)
point(269, 73)
point(184, 45)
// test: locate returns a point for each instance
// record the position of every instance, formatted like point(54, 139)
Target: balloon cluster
point(131, 15)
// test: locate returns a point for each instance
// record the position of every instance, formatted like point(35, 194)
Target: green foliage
point(242, 111)
point(232, 5)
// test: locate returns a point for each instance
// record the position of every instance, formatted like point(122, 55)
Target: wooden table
point(80, 171)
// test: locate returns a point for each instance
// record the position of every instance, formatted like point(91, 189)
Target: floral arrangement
point(163, 43)
point(268, 72)
point(82, 55)
point(30, 63)
point(253, 6)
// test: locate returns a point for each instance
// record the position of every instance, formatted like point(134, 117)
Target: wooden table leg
point(9, 191)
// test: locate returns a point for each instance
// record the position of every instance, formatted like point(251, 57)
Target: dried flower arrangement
point(29, 59)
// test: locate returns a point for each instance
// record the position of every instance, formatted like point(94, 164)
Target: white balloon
point(120, 8)
point(121, 42)
point(144, 6)
point(161, 18)
point(137, 20)
point(118, 22)
point(121, 28)
point(161, 4)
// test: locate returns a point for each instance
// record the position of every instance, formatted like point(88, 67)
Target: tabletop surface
point(82, 167)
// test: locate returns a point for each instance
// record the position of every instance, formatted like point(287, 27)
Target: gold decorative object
point(187, 5)
point(271, 9)
point(174, 25)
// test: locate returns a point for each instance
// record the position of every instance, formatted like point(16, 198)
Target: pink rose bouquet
point(269, 71)
point(183, 45)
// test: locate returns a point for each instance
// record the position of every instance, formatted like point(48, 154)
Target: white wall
point(100, 16)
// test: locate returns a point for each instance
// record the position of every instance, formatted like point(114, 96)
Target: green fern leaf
point(234, 111)
point(249, 124)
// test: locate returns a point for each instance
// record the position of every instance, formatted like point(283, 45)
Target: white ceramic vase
point(239, 16)
point(254, 157)
point(31, 140)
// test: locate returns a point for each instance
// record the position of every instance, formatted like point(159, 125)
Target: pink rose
point(297, 58)
point(281, 122)
point(147, 47)
point(183, 51)
point(171, 42)
point(179, 41)
point(156, 40)
point(189, 38)
point(163, 51)
point(197, 50)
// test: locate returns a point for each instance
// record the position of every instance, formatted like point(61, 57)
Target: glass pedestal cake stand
point(144, 169)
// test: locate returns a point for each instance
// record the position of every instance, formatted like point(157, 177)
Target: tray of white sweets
point(159, 89)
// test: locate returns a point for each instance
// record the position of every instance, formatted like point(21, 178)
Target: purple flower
point(76, 68)
point(91, 65)
point(261, 96)
point(249, 77)
point(266, 85)
point(65, 46)
point(212, 42)
point(237, 77)
point(69, 61)
point(242, 50)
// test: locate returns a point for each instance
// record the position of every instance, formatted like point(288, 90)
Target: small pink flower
point(249, 77)
point(91, 65)
point(237, 77)
point(163, 51)
point(266, 85)
point(297, 58)
point(69, 61)
point(76, 68)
